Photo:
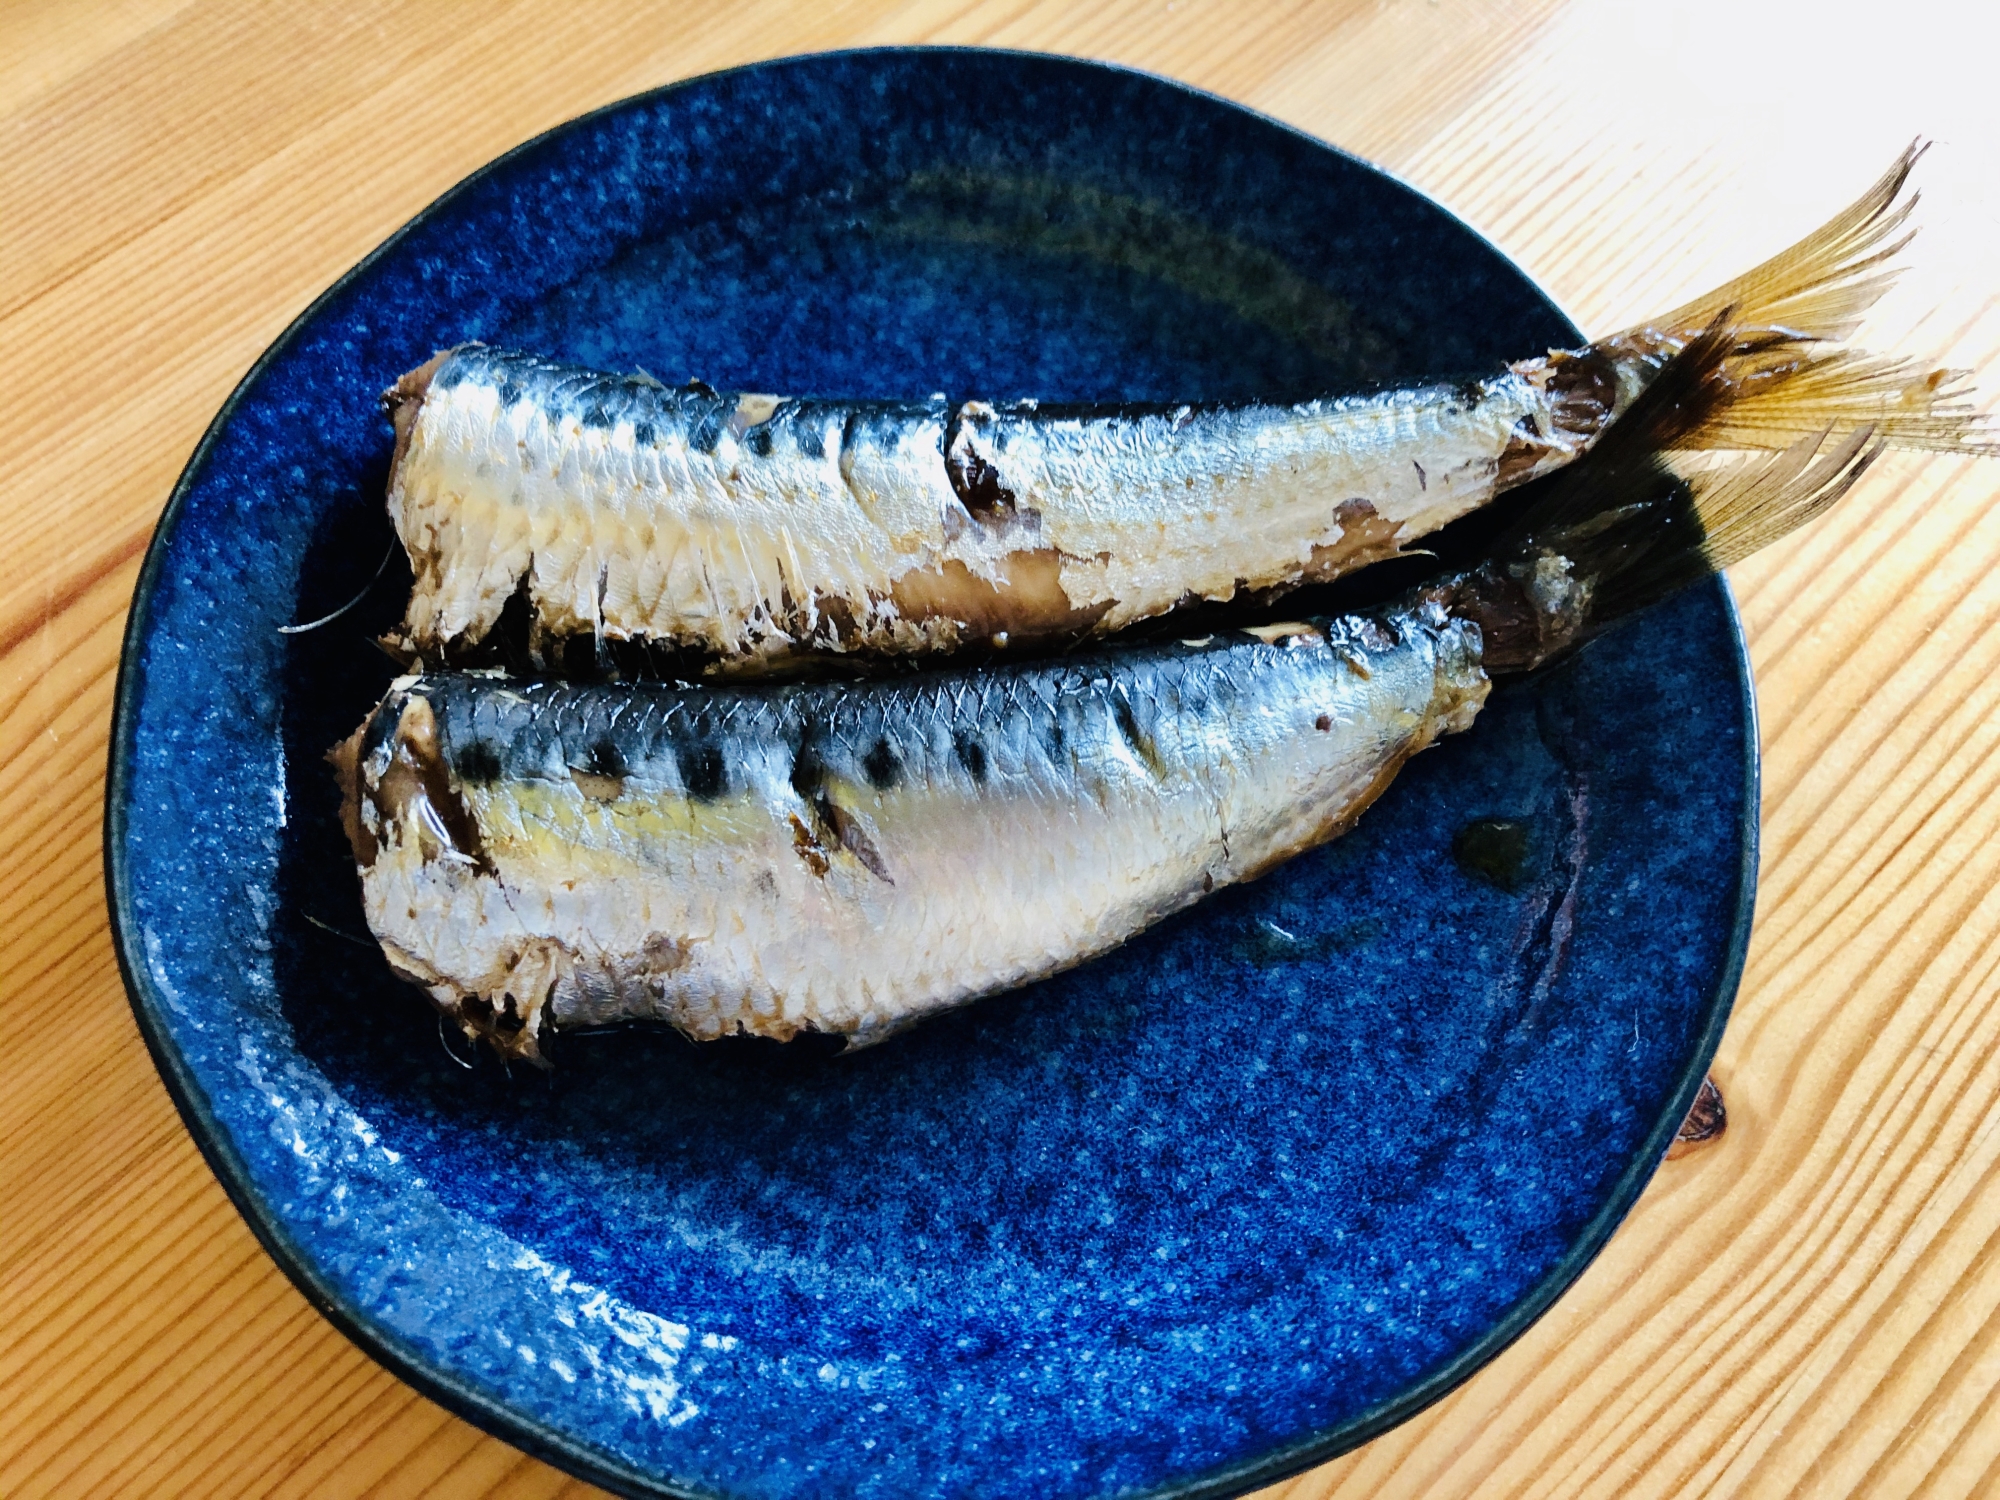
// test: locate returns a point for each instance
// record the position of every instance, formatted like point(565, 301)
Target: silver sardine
point(847, 858)
point(749, 529)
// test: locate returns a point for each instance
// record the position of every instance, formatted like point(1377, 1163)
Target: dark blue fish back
point(1258, 1184)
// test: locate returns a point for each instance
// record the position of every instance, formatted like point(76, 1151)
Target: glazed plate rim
point(564, 1449)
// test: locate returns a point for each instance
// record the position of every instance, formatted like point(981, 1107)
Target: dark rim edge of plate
point(587, 1461)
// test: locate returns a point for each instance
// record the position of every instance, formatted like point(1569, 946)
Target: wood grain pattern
point(1803, 1308)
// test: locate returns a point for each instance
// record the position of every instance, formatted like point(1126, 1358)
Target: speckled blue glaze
point(1265, 1181)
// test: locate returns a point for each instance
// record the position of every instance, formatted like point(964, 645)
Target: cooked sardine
point(849, 857)
point(748, 528)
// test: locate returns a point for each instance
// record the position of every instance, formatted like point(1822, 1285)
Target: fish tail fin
point(1785, 393)
point(1819, 288)
point(1629, 524)
point(1781, 375)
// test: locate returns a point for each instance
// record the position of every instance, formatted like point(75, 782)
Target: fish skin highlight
point(753, 531)
point(848, 858)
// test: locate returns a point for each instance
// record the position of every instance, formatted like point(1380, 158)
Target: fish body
point(748, 531)
point(746, 527)
point(850, 857)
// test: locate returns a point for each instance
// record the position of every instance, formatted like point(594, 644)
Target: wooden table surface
point(1804, 1307)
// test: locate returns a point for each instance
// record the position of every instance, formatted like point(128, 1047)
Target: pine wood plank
point(1804, 1307)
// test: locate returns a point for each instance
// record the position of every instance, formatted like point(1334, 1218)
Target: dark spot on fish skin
point(478, 764)
point(455, 371)
point(1323, 723)
point(1494, 850)
point(594, 417)
point(606, 759)
point(1423, 481)
point(704, 775)
point(883, 769)
point(808, 772)
point(1121, 715)
point(971, 754)
point(831, 823)
point(1128, 729)
point(643, 435)
point(706, 430)
point(1054, 738)
point(510, 390)
point(758, 440)
point(810, 437)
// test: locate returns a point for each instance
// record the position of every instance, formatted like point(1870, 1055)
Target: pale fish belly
point(749, 526)
point(851, 858)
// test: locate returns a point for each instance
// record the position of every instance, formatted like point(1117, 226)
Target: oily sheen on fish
point(743, 532)
point(747, 526)
point(847, 858)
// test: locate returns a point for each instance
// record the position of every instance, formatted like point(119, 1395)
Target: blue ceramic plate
point(1210, 1210)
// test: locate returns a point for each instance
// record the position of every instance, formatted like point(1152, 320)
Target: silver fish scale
point(598, 400)
point(1046, 718)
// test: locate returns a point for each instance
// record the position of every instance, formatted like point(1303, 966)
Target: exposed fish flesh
point(849, 857)
point(747, 528)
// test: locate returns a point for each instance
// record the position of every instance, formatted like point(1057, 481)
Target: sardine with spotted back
point(744, 532)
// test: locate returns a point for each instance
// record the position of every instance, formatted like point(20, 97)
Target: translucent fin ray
point(1817, 289)
point(1781, 374)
